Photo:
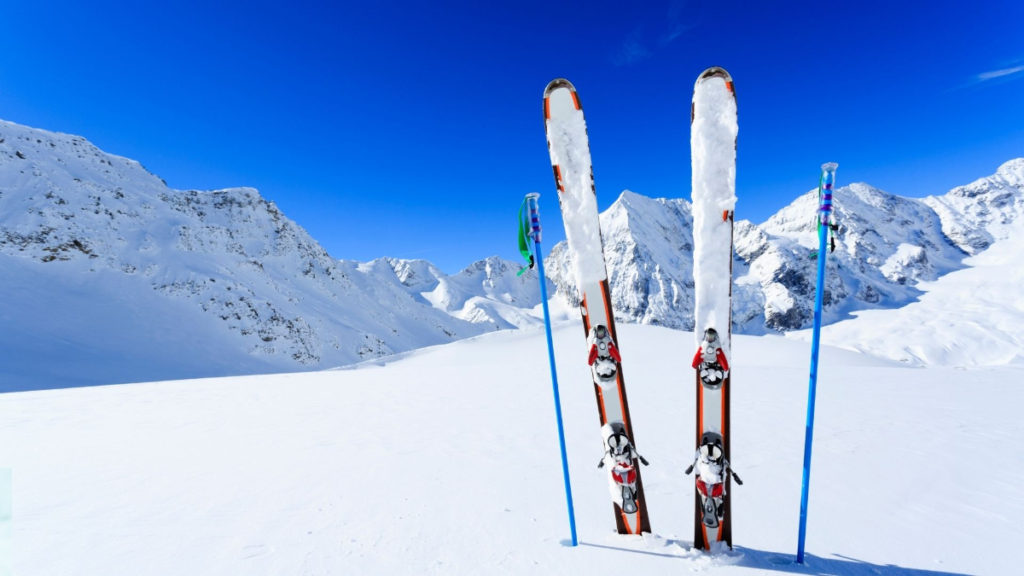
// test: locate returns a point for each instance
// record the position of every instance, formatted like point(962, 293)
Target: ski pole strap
point(524, 246)
point(528, 229)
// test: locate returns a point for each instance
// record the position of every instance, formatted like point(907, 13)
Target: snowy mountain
point(648, 246)
point(105, 266)
point(888, 245)
point(978, 214)
point(103, 263)
point(488, 292)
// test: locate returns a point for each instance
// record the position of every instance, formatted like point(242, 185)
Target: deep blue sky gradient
point(413, 129)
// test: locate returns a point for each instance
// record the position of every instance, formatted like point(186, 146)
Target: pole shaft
point(824, 215)
point(535, 233)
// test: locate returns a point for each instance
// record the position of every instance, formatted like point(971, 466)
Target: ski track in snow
point(439, 463)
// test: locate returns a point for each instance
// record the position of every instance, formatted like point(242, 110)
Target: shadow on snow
point(785, 563)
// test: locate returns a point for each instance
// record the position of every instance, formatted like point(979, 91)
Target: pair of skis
point(713, 122)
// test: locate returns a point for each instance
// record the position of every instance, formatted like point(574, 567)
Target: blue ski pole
point(828, 177)
point(531, 202)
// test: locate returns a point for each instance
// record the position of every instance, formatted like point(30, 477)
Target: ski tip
point(557, 84)
point(717, 72)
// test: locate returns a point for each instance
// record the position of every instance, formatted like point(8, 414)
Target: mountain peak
point(158, 283)
point(1012, 170)
point(976, 215)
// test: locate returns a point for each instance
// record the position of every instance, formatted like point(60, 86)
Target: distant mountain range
point(111, 276)
point(887, 245)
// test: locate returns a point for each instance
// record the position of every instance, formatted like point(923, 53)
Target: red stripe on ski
point(602, 414)
point(619, 384)
point(586, 316)
point(725, 473)
point(700, 535)
point(608, 311)
point(600, 405)
point(722, 402)
point(700, 410)
point(625, 522)
point(558, 177)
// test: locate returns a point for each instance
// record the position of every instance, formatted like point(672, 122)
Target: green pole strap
point(524, 244)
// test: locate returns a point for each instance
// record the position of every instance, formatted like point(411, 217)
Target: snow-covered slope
point(984, 211)
point(98, 254)
point(439, 464)
point(970, 317)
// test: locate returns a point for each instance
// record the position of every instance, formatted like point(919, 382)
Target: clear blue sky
point(413, 129)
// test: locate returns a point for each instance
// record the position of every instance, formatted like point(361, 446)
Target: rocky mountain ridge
point(887, 245)
point(251, 281)
point(246, 289)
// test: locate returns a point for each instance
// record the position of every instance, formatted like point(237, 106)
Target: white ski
point(713, 132)
point(570, 160)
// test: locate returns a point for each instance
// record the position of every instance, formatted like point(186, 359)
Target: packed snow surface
point(713, 151)
point(570, 151)
point(446, 461)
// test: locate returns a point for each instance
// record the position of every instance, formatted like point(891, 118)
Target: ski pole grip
point(828, 178)
point(531, 203)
